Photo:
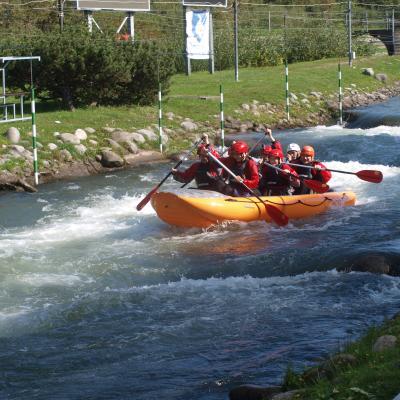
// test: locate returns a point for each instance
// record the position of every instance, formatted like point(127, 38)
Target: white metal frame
point(5, 106)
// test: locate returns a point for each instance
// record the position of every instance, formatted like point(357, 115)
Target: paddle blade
point(370, 175)
point(276, 215)
point(316, 186)
point(146, 199)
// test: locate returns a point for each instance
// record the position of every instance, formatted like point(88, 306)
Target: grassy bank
point(373, 375)
point(266, 85)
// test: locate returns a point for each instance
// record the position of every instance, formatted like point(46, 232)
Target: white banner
point(198, 34)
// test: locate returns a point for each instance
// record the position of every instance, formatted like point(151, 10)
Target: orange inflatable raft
point(202, 208)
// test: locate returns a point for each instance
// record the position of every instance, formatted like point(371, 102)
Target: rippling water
point(99, 301)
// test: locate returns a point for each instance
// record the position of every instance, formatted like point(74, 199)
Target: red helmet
point(239, 147)
point(307, 151)
point(275, 153)
point(266, 150)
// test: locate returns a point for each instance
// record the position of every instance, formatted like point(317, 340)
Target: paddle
point(275, 213)
point(312, 184)
point(368, 175)
point(152, 191)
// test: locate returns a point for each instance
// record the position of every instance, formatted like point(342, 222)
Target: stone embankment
point(87, 151)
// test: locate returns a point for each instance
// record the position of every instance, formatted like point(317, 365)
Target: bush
point(82, 68)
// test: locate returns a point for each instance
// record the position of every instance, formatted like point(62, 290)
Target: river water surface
point(99, 301)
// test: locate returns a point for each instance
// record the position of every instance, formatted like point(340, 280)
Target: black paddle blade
point(276, 215)
point(316, 186)
point(148, 197)
point(370, 175)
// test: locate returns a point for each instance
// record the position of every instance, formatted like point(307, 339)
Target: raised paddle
point(312, 184)
point(275, 213)
point(152, 191)
point(368, 175)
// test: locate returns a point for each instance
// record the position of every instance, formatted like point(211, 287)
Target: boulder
point(381, 77)
point(384, 343)
point(329, 367)
point(80, 148)
point(114, 144)
point(138, 138)
point(20, 152)
point(121, 136)
point(188, 126)
point(80, 134)
point(170, 115)
point(245, 107)
point(109, 159)
point(131, 147)
point(65, 155)
point(52, 146)
point(93, 142)
point(148, 134)
point(69, 138)
point(13, 135)
point(253, 392)
point(108, 129)
point(317, 95)
point(90, 131)
point(368, 71)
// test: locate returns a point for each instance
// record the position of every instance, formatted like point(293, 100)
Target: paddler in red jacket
point(274, 182)
point(204, 171)
point(243, 167)
point(316, 173)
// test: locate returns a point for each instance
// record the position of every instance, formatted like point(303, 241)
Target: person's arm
point(187, 175)
point(275, 144)
point(293, 178)
point(251, 172)
point(319, 174)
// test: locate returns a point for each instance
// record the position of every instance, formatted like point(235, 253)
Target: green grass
point(375, 376)
point(261, 84)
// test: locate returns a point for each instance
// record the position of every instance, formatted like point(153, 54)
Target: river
point(99, 301)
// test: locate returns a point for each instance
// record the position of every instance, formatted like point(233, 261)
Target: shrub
point(82, 68)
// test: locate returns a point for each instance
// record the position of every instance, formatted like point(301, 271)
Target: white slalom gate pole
point(160, 118)
point(221, 112)
point(340, 95)
point(34, 143)
point(287, 89)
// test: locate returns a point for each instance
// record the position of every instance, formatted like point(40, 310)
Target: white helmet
point(293, 147)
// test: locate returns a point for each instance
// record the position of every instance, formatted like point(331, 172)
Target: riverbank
point(68, 147)
point(365, 369)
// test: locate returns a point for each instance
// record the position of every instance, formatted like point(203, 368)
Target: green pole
point(287, 89)
point(221, 111)
point(34, 143)
point(160, 118)
point(340, 95)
